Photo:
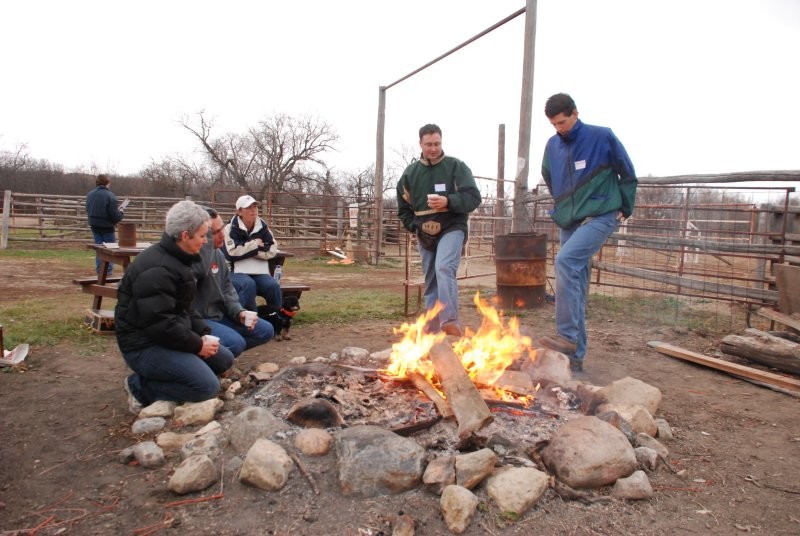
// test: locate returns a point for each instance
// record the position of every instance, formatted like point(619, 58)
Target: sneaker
point(557, 343)
point(452, 328)
point(134, 406)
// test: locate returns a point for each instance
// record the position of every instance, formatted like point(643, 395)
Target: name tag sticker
point(440, 187)
point(580, 164)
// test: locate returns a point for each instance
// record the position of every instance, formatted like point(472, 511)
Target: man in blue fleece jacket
point(593, 185)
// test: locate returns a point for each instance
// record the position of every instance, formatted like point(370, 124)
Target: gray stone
point(440, 473)
point(150, 425)
point(635, 487)
point(266, 466)
point(197, 412)
point(646, 458)
point(517, 489)
point(664, 430)
point(587, 452)
point(148, 454)
point(313, 442)
point(253, 423)
point(458, 506)
point(206, 444)
point(195, 473)
point(473, 468)
point(630, 391)
point(548, 366)
point(644, 440)
point(374, 461)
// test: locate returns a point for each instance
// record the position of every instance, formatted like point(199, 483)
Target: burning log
point(470, 410)
point(421, 383)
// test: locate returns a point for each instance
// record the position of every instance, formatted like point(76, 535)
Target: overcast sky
point(689, 86)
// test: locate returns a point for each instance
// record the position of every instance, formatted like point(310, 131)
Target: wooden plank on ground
point(786, 320)
point(769, 378)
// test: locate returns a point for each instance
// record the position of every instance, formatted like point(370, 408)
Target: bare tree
point(279, 154)
point(177, 176)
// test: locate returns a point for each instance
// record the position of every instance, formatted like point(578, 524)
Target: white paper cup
point(432, 196)
point(212, 338)
point(250, 318)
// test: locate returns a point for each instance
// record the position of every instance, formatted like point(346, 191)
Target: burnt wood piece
point(470, 410)
point(765, 349)
point(421, 383)
point(408, 429)
point(305, 471)
point(749, 373)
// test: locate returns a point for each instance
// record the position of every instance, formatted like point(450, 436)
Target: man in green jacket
point(435, 195)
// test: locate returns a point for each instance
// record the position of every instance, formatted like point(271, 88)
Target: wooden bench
point(293, 289)
point(287, 289)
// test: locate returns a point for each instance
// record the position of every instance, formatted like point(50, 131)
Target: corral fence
point(702, 243)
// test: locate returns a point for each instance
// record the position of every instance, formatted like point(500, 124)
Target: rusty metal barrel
point(521, 268)
point(126, 234)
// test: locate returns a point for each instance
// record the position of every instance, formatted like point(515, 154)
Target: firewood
point(765, 349)
point(470, 410)
point(421, 383)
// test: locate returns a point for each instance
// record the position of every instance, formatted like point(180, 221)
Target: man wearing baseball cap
point(248, 246)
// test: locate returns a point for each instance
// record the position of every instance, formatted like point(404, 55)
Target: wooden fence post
point(6, 218)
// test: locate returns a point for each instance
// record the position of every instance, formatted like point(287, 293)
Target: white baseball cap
point(245, 201)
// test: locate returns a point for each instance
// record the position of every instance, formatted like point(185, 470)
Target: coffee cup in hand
point(211, 338)
point(250, 318)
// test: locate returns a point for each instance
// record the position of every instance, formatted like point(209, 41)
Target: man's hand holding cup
point(210, 346)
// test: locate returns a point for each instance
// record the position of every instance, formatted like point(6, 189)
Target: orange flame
point(485, 354)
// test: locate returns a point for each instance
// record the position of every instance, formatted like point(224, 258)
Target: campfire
point(468, 381)
point(459, 376)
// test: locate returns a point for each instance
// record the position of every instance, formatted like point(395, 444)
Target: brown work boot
point(451, 328)
point(557, 343)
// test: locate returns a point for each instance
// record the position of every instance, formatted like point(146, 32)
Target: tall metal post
point(500, 222)
point(379, 140)
point(520, 221)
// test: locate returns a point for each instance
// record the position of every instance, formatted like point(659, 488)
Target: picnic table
point(105, 286)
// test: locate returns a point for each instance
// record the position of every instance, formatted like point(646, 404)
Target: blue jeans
point(160, 373)
point(99, 238)
point(572, 276)
point(236, 337)
point(441, 268)
point(248, 286)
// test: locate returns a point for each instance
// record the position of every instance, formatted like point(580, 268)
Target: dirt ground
point(63, 421)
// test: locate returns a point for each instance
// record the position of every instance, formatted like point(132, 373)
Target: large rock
point(517, 489)
point(548, 366)
point(588, 453)
point(630, 392)
point(253, 423)
point(266, 466)
point(374, 461)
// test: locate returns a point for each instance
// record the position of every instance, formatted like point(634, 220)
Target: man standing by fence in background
point(593, 185)
point(103, 213)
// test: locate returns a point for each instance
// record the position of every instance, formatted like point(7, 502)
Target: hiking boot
point(134, 406)
point(451, 328)
point(557, 343)
point(575, 365)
